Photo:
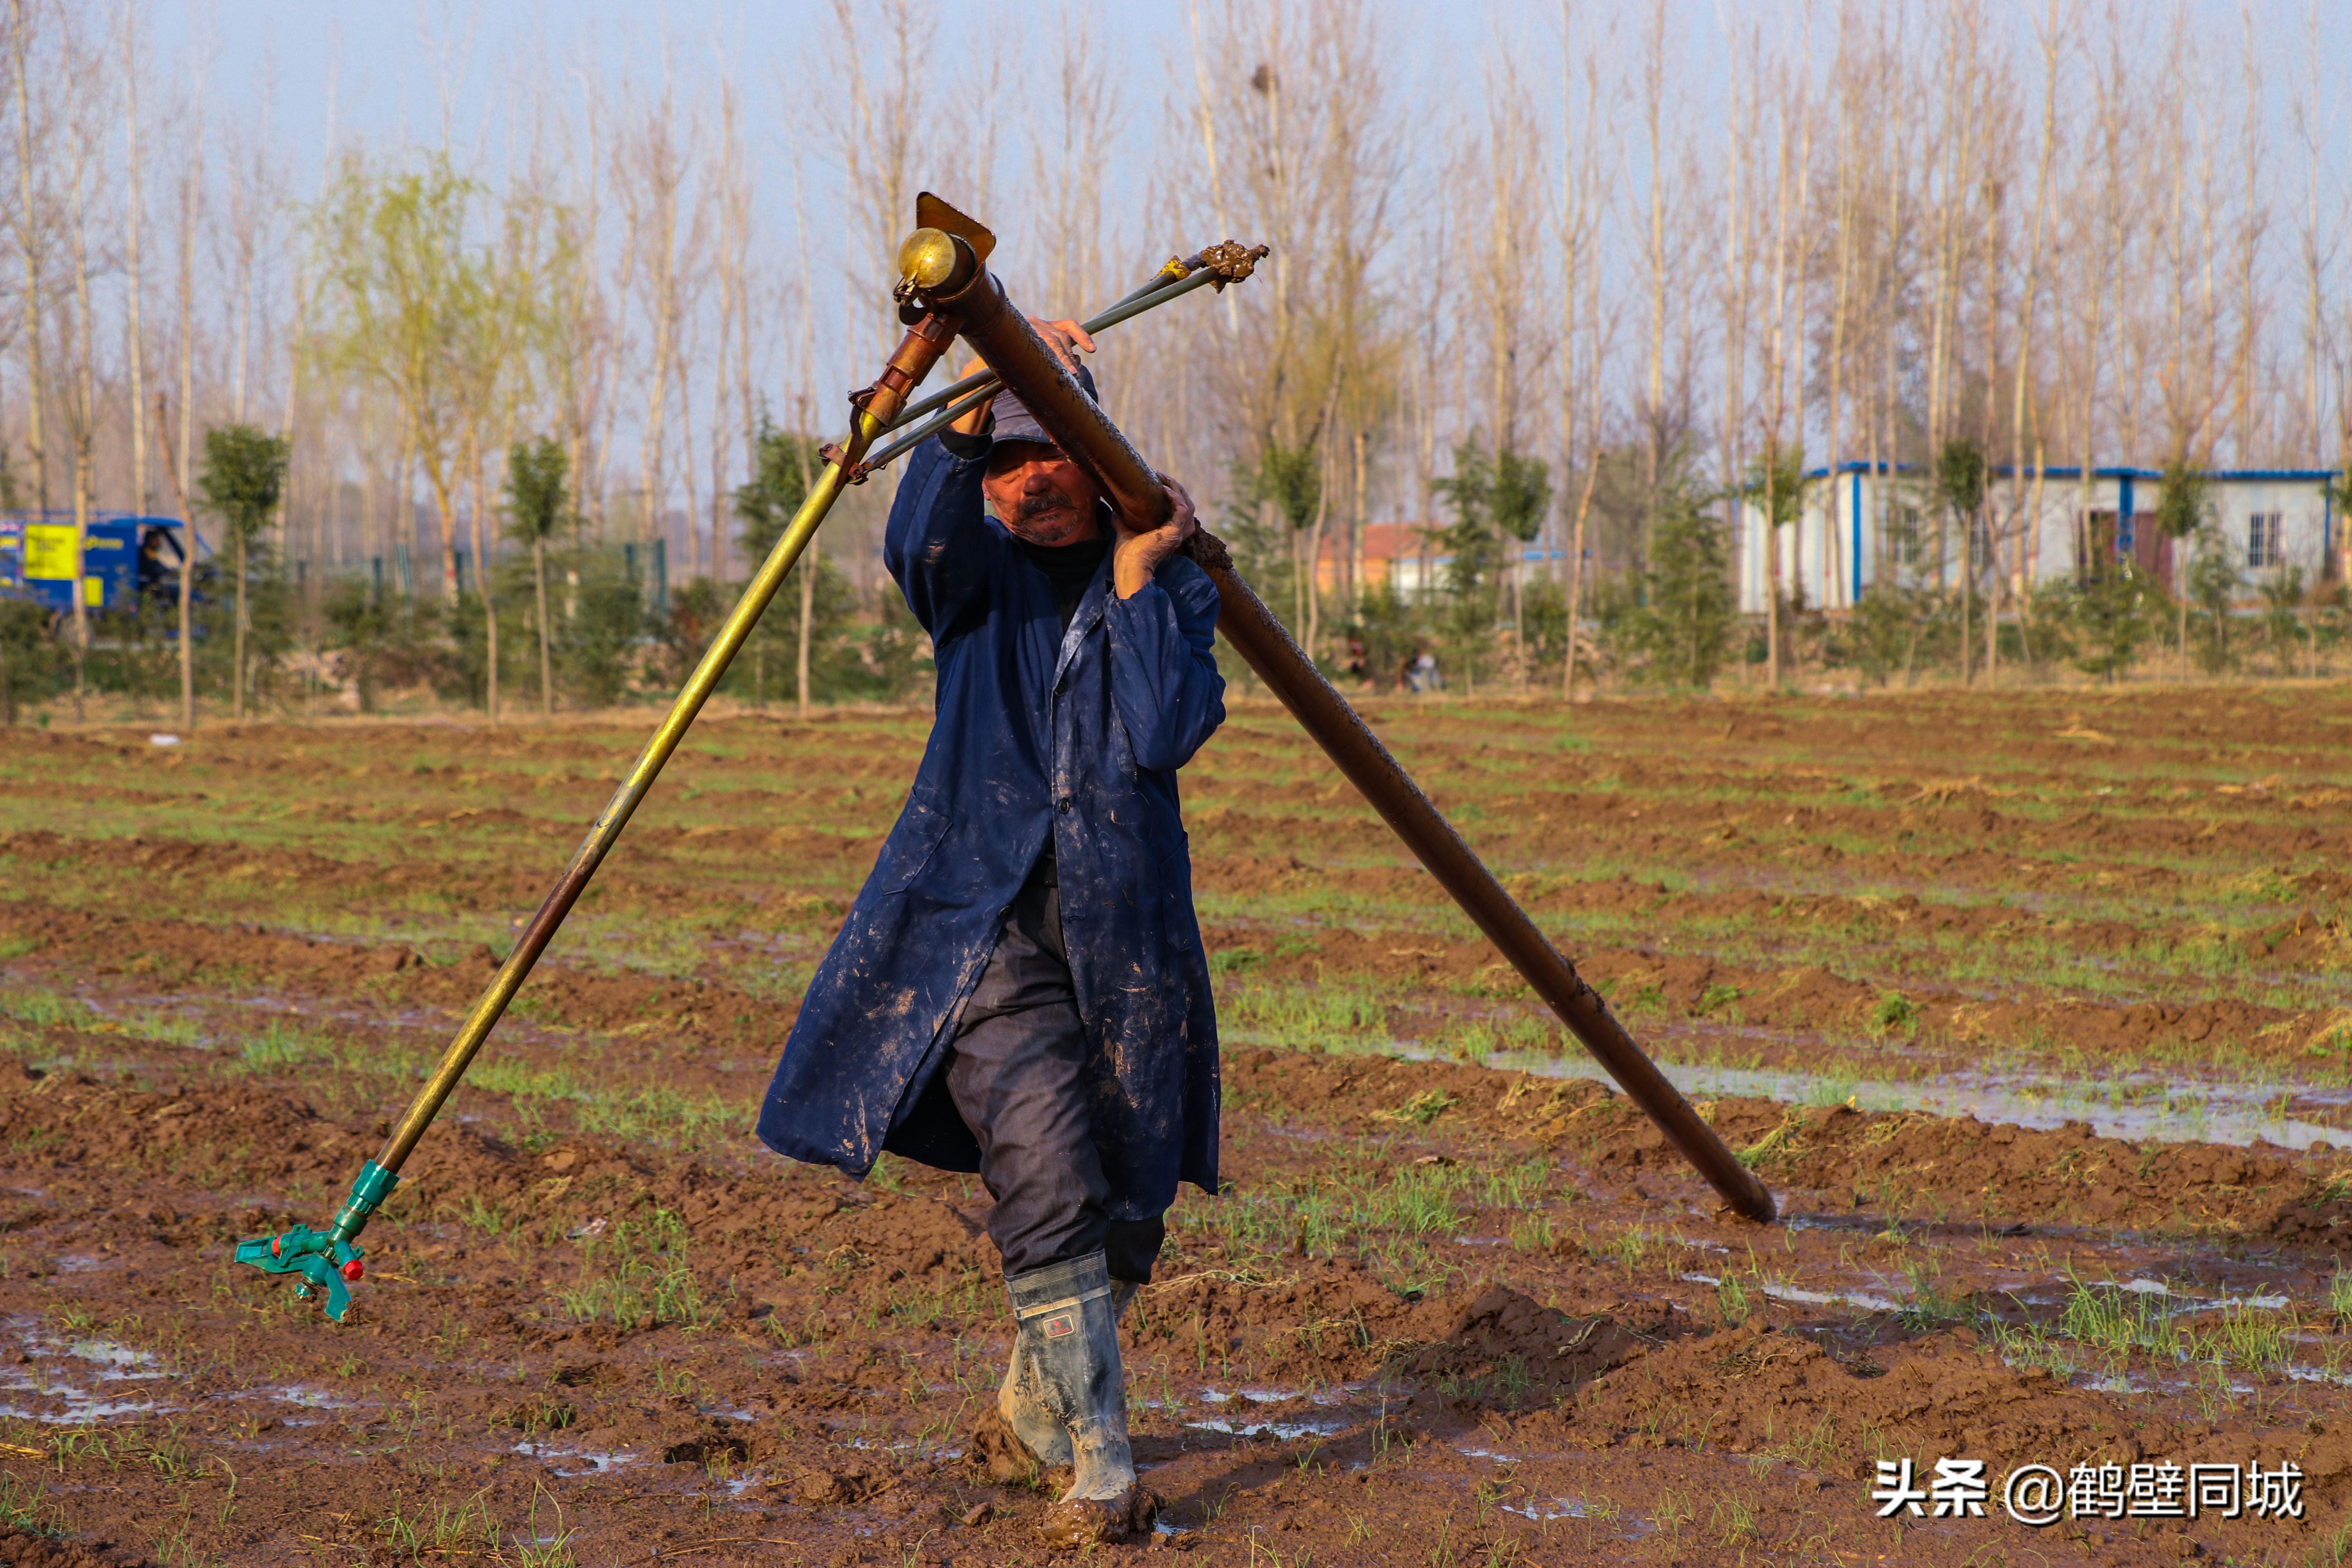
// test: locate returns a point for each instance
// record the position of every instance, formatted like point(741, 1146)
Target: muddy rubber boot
point(1020, 1401)
point(1069, 1338)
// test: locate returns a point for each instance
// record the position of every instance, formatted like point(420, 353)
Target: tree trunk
point(808, 613)
point(1772, 568)
point(1968, 595)
point(81, 566)
point(187, 570)
point(237, 671)
point(135, 172)
point(482, 538)
point(28, 244)
point(1576, 567)
point(82, 423)
point(444, 514)
point(546, 663)
point(1992, 610)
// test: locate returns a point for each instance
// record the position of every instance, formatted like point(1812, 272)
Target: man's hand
point(1139, 553)
point(1067, 339)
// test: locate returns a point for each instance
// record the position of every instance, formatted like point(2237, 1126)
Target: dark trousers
point(1017, 1074)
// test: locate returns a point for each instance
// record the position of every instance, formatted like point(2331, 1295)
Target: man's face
point(1039, 494)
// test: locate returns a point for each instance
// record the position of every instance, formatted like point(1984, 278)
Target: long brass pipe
point(1003, 336)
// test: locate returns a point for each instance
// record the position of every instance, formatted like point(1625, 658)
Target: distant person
point(1421, 672)
point(1020, 989)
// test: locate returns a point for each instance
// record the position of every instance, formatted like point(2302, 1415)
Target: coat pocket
point(911, 845)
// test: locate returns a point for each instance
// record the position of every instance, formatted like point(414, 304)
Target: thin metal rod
point(1151, 299)
point(882, 457)
point(978, 381)
point(1157, 293)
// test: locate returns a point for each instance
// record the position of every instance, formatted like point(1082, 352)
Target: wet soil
point(1445, 1313)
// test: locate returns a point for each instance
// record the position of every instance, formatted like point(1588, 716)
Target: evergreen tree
point(784, 466)
point(1683, 626)
point(2181, 497)
point(244, 467)
point(2110, 612)
point(538, 502)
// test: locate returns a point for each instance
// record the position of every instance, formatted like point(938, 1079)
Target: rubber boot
point(1069, 1329)
point(1020, 1401)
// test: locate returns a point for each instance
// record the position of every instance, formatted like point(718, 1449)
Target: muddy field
point(2031, 1006)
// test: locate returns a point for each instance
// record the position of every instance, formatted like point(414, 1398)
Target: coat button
point(1063, 803)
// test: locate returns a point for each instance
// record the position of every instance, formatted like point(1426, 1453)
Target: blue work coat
point(1038, 731)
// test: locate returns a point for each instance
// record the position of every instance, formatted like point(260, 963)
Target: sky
point(396, 71)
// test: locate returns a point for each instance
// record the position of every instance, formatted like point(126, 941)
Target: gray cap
point(1013, 422)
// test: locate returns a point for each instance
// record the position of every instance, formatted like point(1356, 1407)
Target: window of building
point(2263, 538)
point(1905, 546)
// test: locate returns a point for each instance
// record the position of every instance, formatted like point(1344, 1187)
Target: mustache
point(1042, 505)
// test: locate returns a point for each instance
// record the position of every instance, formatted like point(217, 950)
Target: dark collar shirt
point(1062, 719)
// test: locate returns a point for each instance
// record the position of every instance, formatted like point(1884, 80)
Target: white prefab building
point(1863, 525)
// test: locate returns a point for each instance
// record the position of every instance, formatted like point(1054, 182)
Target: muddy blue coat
point(1078, 734)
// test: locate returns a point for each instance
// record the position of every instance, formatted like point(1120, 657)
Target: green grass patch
point(639, 1272)
point(1336, 1018)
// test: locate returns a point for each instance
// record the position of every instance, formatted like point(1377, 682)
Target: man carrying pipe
point(1020, 988)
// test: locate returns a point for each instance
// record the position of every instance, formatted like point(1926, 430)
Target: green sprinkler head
point(325, 1258)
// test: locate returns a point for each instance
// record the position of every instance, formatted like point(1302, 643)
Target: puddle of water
point(1255, 1396)
point(116, 1364)
point(1487, 1454)
point(311, 1399)
point(1284, 1430)
point(1797, 1293)
point(50, 1398)
point(2183, 1304)
point(597, 1463)
point(1863, 1299)
point(1557, 1507)
point(2176, 1113)
point(82, 1410)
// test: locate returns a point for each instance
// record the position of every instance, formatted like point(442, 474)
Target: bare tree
point(80, 402)
point(133, 180)
point(650, 178)
point(188, 215)
point(29, 243)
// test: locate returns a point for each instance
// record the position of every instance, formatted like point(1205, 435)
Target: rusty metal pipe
point(1004, 337)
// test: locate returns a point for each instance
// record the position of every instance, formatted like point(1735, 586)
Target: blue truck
point(127, 562)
